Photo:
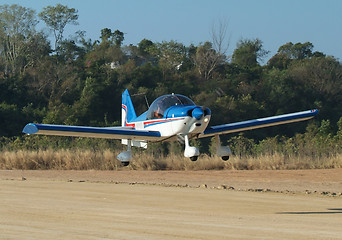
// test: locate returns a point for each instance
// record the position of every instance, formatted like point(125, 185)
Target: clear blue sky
point(275, 22)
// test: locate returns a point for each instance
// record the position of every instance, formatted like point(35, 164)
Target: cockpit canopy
point(161, 104)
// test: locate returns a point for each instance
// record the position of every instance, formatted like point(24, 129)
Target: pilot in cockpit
point(158, 113)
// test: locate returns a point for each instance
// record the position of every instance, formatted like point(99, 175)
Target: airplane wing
point(258, 123)
point(95, 132)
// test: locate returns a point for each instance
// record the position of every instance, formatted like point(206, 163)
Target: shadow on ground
point(329, 211)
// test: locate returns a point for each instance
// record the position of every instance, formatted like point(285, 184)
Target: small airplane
point(170, 117)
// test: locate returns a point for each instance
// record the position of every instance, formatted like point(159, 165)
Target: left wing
point(95, 132)
point(259, 123)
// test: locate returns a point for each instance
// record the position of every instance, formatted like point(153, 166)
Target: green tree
point(105, 52)
point(279, 91)
point(320, 79)
point(118, 37)
point(106, 34)
point(95, 105)
point(170, 54)
point(248, 53)
point(279, 60)
point(207, 59)
point(56, 18)
point(17, 28)
point(74, 49)
point(296, 51)
point(289, 52)
point(144, 46)
point(109, 37)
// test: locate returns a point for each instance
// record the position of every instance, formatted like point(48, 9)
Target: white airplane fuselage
point(170, 127)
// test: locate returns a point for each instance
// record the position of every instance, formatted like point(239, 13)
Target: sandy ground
point(171, 205)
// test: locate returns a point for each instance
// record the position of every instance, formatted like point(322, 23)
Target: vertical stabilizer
point(127, 113)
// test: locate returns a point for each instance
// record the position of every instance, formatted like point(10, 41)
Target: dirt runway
point(103, 205)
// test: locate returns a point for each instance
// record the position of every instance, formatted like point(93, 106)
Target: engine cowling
point(197, 113)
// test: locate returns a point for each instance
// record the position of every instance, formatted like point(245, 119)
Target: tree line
point(79, 81)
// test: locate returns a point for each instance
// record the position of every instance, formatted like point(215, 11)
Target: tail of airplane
point(127, 112)
point(128, 115)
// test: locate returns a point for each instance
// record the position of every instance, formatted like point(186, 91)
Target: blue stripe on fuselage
point(160, 121)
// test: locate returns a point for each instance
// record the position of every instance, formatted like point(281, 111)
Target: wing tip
point(313, 112)
point(30, 128)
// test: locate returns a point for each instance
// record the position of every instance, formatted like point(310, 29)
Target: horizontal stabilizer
point(259, 123)
point(95, 132)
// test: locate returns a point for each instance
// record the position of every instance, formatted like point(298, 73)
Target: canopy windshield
point(161, 104)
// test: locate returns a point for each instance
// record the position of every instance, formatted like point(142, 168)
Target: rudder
point(127, 112)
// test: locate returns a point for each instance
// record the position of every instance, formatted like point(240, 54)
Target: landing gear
point(125, 164)
point(126, 157)
point(190, 151)
point(222, 151)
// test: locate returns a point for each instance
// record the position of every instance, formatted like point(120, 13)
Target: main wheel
point(194, 158)
point(125, 163)
point(225, 158)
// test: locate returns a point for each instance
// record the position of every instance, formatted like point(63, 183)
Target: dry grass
point(59, 159)
point(106, 160)
point(278, 161)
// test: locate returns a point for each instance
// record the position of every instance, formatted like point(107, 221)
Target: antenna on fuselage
point(139, 94)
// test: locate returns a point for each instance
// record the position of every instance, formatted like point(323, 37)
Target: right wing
point(259, 123)
point(95, 132)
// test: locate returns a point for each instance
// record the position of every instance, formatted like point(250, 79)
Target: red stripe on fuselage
point(162, 120)
point(126, 123)
point(148, 122)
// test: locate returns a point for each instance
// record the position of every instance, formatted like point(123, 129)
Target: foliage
point(248, 52)
point(17, 35)
point(207, 59)
point(56, 18)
